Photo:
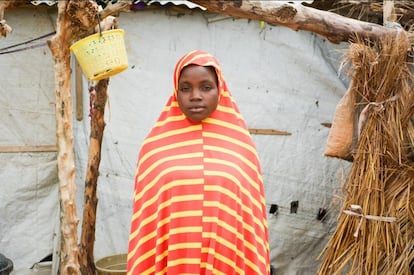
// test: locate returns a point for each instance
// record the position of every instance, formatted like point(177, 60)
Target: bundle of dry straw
point(375, 230)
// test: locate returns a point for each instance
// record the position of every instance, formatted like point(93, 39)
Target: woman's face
point(197, 93)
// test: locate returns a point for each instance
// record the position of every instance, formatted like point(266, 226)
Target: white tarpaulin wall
point(281, 79)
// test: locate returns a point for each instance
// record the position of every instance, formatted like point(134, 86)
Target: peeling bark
point(334, 27)
point(86, 257)
point(59, 46)
point(4, 28)
point(83, 16)
point(98, 102)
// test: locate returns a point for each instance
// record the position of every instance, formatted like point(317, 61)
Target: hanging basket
point(101, 55)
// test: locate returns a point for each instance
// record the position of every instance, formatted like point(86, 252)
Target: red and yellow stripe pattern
point(199, 204)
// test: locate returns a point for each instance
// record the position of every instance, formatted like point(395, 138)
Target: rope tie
point(356, 210)
point(377, 106)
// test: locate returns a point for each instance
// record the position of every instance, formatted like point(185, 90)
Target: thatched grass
point(381, 179)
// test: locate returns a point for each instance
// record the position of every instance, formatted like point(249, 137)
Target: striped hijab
point(199, 204)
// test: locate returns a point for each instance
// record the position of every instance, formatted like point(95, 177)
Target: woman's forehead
point(197, 69)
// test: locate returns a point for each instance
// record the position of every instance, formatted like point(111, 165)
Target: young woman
point(199, 205)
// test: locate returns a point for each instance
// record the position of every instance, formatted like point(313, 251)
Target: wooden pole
point(28, 148)
point(87, 240)
point(59, 46)
point(294, 15)
point(98, 102)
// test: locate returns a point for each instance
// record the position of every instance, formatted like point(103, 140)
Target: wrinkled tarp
point(281, 79)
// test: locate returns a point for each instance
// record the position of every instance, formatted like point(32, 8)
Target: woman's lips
point(197, 109)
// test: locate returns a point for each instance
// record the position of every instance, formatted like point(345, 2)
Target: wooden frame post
point(59, 46)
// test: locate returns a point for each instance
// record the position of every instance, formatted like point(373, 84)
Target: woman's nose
point(196, 95)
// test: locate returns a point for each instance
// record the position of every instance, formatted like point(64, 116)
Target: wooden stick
point(268, 132)
point(28, 148)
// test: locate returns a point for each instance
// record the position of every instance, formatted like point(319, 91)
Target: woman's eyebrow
point(207, 80)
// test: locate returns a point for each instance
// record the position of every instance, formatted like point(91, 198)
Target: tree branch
point(294, 15)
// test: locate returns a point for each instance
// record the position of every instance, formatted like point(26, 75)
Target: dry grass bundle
point(377, 237)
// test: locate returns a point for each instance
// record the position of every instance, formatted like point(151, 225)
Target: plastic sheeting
point(281, 79)
point(29, 209)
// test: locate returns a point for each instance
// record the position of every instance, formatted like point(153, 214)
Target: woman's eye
point(185, 89)
point(206, 88)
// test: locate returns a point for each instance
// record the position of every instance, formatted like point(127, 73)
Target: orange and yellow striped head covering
point(199, 204)
point(202, 58)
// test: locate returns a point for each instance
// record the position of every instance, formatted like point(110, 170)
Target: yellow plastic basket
point(101, 55)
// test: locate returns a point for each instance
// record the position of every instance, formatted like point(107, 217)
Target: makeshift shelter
point(288, 82)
